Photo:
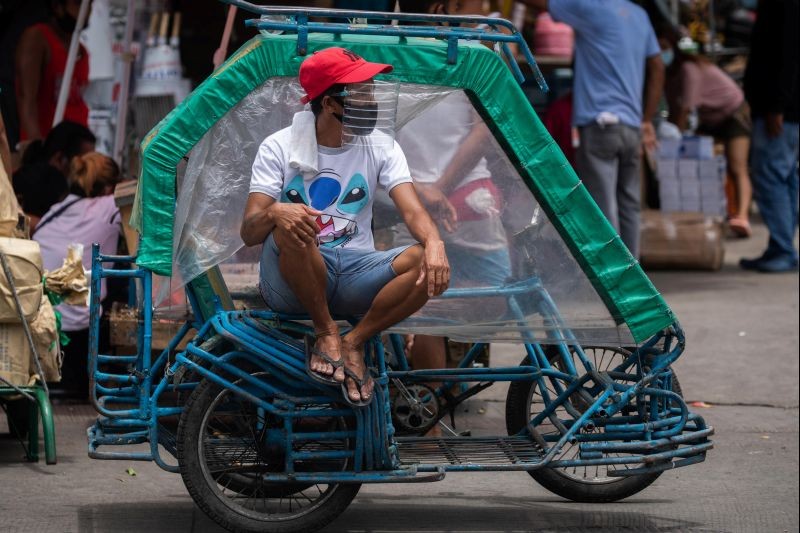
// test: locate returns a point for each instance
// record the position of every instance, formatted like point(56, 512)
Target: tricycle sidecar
point(594, 411)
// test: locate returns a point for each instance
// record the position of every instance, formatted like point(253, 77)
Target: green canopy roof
point(615, 274)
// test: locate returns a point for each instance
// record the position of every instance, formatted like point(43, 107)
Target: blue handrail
point(442, 27)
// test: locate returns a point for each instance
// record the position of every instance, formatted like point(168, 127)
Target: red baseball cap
point(335, 65)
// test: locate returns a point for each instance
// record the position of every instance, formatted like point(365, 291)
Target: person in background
point(40, 62)
point(617, 62)
point(65, 141)
point(41, 181)
point(694, 82)
point(558, 121)
point(38, 187)
point(771, 88)
point(87, 215)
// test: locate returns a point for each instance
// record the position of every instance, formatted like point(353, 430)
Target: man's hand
point(774, 124)
point(436, 268)
point(437, 204)
point(649, 140)
point(298, 221)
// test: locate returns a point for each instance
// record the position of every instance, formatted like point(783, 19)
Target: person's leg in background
point(737, 150)
point(629, 188)
point(597, 165)
point(775, 183)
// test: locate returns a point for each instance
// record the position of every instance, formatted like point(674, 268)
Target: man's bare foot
point(329, 344)
point(354, 361)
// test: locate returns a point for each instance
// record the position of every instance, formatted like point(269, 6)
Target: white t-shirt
point(344, 189)
point(87, 221)
point(432, 139)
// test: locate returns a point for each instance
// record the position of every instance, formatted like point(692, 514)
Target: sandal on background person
point(740, 227)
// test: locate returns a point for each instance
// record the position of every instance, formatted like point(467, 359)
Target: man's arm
point(654, 85)
point(435, 266)
point(466, 157)
point(262, 214)
point(29, 62)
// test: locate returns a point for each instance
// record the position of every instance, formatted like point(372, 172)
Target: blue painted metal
point(445, 27)
point(263, 340)
point(263, 360)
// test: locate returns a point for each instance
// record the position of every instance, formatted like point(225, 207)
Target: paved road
point(742, 360)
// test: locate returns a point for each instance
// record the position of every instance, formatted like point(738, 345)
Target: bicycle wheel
point(227, 444)
point(589, 484)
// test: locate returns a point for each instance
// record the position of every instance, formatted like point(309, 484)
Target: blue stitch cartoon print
point(325, 193)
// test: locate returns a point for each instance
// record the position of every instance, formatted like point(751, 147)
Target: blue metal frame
point(444, 27)
point(662, 434)
point(262, 361)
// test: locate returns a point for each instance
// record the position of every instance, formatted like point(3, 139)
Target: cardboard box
point(667, 169)
point(697, 147)
point(123, 324)
point(15, 355)
point(688, 169)
point(669, 148)
point(681, 241)
point(124, 196)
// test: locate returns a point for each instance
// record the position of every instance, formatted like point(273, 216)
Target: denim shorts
point(355, 277)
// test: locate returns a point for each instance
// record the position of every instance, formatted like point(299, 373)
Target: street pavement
point(741, 362)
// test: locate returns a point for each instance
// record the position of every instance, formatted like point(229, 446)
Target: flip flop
point(316, 376)
point(360, 382)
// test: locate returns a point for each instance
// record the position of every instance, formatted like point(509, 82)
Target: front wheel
point(227, 444)
point(587, 484)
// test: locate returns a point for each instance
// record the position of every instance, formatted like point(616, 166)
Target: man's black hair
point(316, 103)
point(66, 137)
point(39, 186)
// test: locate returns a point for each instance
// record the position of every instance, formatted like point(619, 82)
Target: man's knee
point(409, 260)
point(286, 242)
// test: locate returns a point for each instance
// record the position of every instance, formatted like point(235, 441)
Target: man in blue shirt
point(618, 72)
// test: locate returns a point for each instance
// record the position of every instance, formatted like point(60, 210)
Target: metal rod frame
point(266, 366)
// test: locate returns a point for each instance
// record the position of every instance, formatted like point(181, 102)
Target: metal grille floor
point(463, 451)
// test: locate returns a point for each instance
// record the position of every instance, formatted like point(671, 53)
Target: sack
point(16, 357)
point(25, 262)
point(681, 241)
point(45, 338)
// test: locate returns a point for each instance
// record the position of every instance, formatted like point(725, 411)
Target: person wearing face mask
point(310, 204)
point(41, 59)
point(693, 82)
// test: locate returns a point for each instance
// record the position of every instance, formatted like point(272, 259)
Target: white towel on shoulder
point(303, 155)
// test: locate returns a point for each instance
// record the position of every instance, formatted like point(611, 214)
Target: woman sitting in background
point(693, 82)
point(87, 215)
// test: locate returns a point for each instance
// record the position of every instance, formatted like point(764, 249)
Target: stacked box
point(712, 175)
point(669, 185)
point(697, 147)
point(692, 185)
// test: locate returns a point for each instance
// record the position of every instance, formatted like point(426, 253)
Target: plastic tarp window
point(602, 295)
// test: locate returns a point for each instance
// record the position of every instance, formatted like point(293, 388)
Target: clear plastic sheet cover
point(514, 279)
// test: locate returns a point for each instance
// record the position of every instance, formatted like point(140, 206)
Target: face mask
point(362, 120)
point(67, 23)
point(667, 56)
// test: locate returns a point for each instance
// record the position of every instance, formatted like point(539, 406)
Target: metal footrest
point(469, 453)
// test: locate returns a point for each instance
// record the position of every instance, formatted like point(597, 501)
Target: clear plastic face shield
point(370, 113)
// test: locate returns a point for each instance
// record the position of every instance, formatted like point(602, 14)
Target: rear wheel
point(227, 444)
point(590, 484)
